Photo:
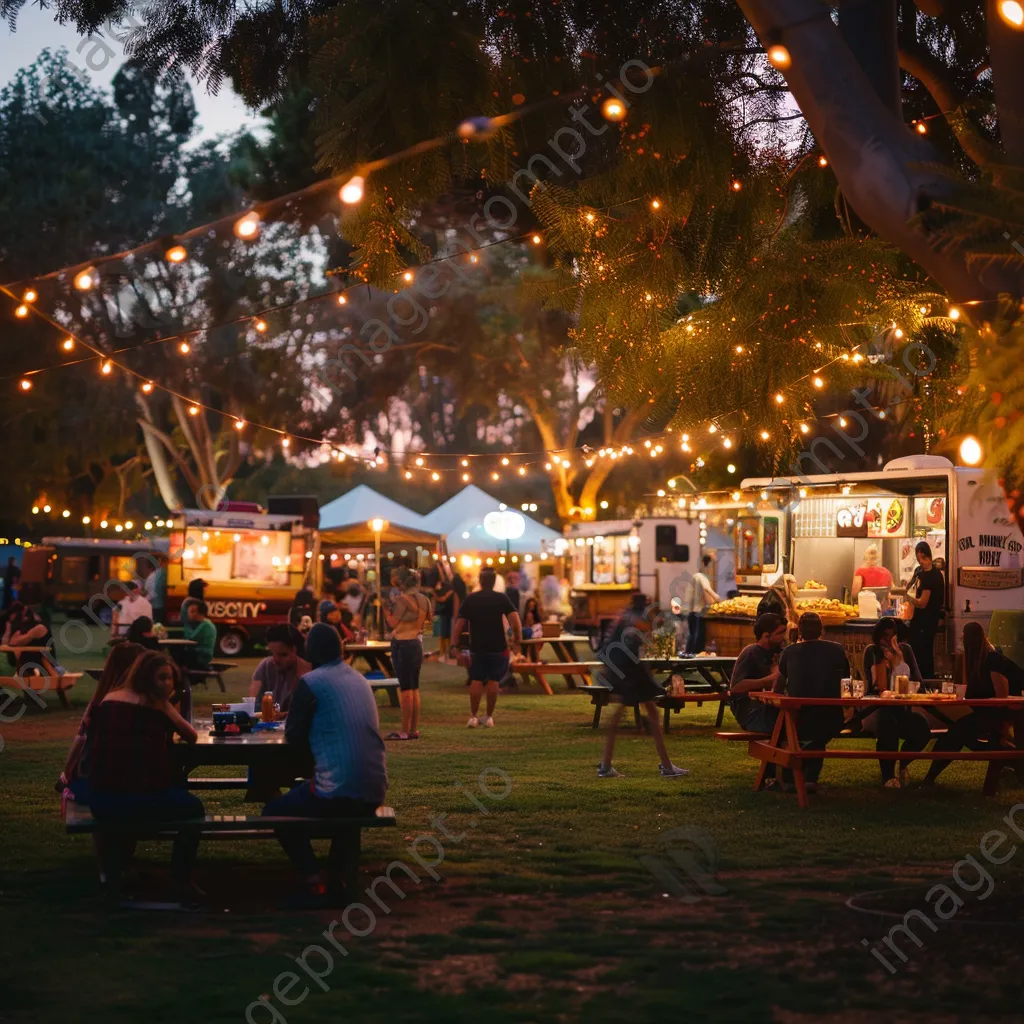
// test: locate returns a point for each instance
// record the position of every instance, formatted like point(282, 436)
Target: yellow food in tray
point(736, 606)
point(827, 606)
point(814, 585)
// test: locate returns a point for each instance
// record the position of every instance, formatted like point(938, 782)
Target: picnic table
point(52, 679)
point(272, 764)
point(783, 746)
point(376, 654)
point(714, 672)
point(564, 647)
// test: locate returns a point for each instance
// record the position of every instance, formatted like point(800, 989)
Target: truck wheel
point(231, 644)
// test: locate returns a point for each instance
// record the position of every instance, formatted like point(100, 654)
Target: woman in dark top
point(985, 671)
point(303, 605)
point(532, 613)
point(632, 684)
point(141, 632)
point(927, 594)
point(444, 607)
point(119, 661)
point(881, 658)
point(132, 775)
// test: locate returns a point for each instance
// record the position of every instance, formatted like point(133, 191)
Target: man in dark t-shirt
point(814, 668)
point(755, 669)
point(484, 612)
point(928, 602)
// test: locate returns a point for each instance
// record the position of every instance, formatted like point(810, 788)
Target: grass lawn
point(544, 910)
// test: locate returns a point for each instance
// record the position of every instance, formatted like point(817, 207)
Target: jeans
point(758, 718)
point(922, 641)
point(304, 802)
point(175, 804)
point(698, 631)
point(895, 724)
point(407, 657)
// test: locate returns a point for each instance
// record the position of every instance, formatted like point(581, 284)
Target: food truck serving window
point(757, 545)
point(665, 547)
point(257, 556)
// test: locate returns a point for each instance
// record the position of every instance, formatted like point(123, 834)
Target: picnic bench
point(202, 676)
point(600, 697)
point(783, 746)
point(389, 686)
point(541, 669)
point(43, 684)
point(344, 833)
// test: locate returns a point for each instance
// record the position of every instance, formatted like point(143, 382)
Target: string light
point(342, 300)
point(1012, 13)
point(85, 279)
point(147, 387)
point(590, 218)
point(352, 191)
point(712, 428)
point(804, 429)
point(86, 520)
point(465, 478)
point(823, 161)
point(407, 276)
point(129, 524)
point(46, 508)
point(522, 471)
point(68, 344)
point(260, 325)
point(66, 514)
point(193, 410)
point(176, 254)
point(613, 110)
point(655, 204)
point(239, 424)
point(739, 350)
point(494, 476)
point(286, 442)
point(765, 435)
point(818, 382)
point(737, 185)
point(779, 398)
point(954, 313)
point(21, 312)
point(247, 226)
point(778, 56)
point(184, 348)
point(922, 128)
point(107, 368)
point(408, 474)
point(536, 239)
point(419, 460)
point(970, 451)
point(435, 476)
point(148, 525)
point(504, 461)
point(727, 442)
point(103, 524)
point(30, 295)
point(730, 468)
point(35, 510)
point(25, 384)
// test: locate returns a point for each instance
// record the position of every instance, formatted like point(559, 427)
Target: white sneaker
point(489, 722)
point(607, 773)
point(473, 722)
point(672, 771)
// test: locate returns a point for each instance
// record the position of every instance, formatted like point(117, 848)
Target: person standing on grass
point(333, 718)
point(702, 596)
point(484, 612)
point(406, 618)
point(754, 670)
point(134, 605)
point(632, 684)
point(814, 668)
point(927, 600)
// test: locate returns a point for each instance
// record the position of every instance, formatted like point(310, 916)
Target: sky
point(37, 29)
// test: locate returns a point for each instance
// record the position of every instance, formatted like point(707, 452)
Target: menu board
point(887, 517)
point(930, 512)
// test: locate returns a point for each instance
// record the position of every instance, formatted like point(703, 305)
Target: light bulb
point(25, 384)
point(352, 191)
point(103, 526)
point(494, 476)
point(407, 276)
point(465, 462)
point(655, 204)
point(148, 525)
point(176, 254)
point(128, 525)
point(712, 428)
point(970, 451)
point(435, 476)
point(239, 424)
point(21, 312)
point(147, 387)
point(184, 348)
point(590, 218)
point(727, 443)
point(536, 239)
point(1012, 13)
point(285, 442)
point(260, 325)
point(779, 56)
point(85, 279)
point(107, 368)
point(765, 435)
point(248, 226)
point(730, 468)
point(604, 504)
point(342, 300)
point(804, 429)
point(193, 410)
point(522, 471)
point(823, 161)
point(779, 399)
point(419, 460)
point(504, 461)
point(954, 313)
point(46, 508)
point(86, 520)
point(613, 110)
point(737, 185)
point(465, 478)
point(35, 510)
point(818, 382)
point(68, 344)
point(922, 128)
point(30, 295)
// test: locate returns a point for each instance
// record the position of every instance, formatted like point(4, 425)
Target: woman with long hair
point(119, 661)
point(141, 632)
point(781, 599)
point(132, 775)
point(985, 672)
point(885, 658)
point(533, 614)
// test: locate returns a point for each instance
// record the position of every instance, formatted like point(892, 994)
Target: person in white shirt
point(702, 596)
point(131, 607)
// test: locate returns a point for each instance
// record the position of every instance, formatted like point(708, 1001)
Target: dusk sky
point(37, 29)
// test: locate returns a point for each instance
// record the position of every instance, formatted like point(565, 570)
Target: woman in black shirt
point(927, 599)
point(986, 674)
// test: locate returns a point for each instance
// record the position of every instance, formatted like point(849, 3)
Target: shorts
point(407, 657)
point(488, 668)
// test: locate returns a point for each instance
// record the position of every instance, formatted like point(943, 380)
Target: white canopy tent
point(362, 504)
point(473, 521)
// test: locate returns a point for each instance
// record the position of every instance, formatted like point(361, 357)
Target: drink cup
point(846, 687)
point(857, 687)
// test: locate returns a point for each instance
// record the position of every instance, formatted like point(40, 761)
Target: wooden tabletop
point(564, 638)
point(259, 738)
point(369, 645)
point(783, 701)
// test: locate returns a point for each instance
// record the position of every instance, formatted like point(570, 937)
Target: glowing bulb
point(119, 528)
point(193, 410)
point(898, 332)
point(494, 476)
point(128, 525)
point(661, 494)
point(730, 468)
point(66, 514)
point(260, 325)
point(285, 442)
point(435, 476)
point(239, 424)
point(184, 348)
point(68, 344)
point(148, 525)
point(823, 161)
point(35, 510)
point(419, 460)
point(408, 474)
point(522, 471)
point(21, 312)
point(85, 279)
point(103, 526)
point(954, 313)
point(342, 300)
point(352, 191)
point(604, 504)
point(248, 226)
point(147, 387)
point(818, 382)
point(407, 276)
point(803, 492)
point(536, 239)
point(465, 478)
point(86, 520)
point(613, 110)
point(465, 462)
point(46, 508)
point(1012, 13)
point(547, 465)
point(739, 350)
point(176, 254)
point(712, 429)
point(765, 435)
point(842, 421)
point(737, 185)
point(504, 461)
point(655, 204)
point(25, 384)
point(778, 56)
point(804, 429)
point(30, 295)
point(590, 218)
point(922, 128)
point(970, 450)
point(779, 399)
point(727, 443)
point(107, 368)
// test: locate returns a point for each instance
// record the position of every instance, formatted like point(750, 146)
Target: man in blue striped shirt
point(334, 716)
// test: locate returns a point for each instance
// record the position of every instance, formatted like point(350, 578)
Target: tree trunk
point(869, 28)
point(879, 163)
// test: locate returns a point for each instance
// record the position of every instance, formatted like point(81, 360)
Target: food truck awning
point(362, 504)
point(464, 519)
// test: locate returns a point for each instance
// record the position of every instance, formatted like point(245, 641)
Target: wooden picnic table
point(783, 747)
point(564, 646)
point(271, 762)
point(714, 671)
point(376, 654)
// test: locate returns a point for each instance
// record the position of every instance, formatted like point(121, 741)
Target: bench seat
point(43, 684)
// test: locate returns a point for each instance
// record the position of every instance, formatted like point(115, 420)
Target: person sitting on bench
point(985, 672)
point(280, 673)
point(132, 776)
point(333, 716)
point(755, 669)
point(200, 629)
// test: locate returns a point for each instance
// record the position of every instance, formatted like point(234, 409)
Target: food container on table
point(221, 721)
point(550, 629)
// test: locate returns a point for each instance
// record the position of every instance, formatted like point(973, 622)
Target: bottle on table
point(267, 707)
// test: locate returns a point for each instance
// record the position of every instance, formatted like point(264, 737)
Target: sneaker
point(894, 783)
point(489, 722)
point(672, 771)
point(607, 773)
point(473, 722)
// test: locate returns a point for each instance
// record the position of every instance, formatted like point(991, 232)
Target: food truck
point(610, 560)
point(253, 565)
point(818, 527)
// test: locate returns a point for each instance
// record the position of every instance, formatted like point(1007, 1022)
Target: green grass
point(543, 913)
